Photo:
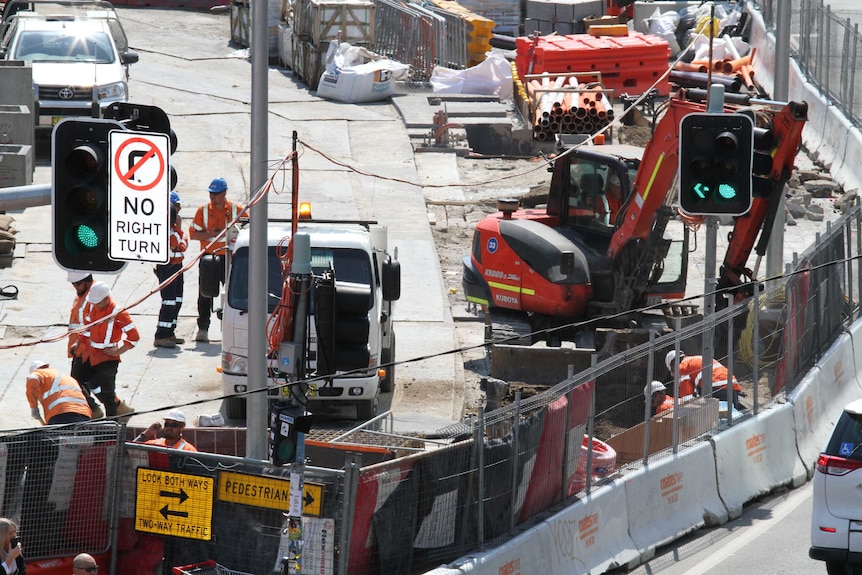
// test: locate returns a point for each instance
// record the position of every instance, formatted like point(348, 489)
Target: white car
point(836, 520)
point(78, 69)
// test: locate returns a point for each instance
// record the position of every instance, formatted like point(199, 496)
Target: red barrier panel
point(629, 64)
point(546, 479)
point(369, 497)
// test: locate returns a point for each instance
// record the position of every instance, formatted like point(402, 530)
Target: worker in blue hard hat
point(208, 227)
point(172, 293)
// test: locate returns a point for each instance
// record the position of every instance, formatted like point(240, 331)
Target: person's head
point(655, 392)
point(174, 213)
point(81, 281)
point(84, 563)
point(100, 295)
point(218, 192)
point(175, 422)
point(176, 202)
point(8, 530)
point(37, 364)
point(670, 358)
point(614, 188)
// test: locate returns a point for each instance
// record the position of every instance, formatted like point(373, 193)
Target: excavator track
point(509, 327)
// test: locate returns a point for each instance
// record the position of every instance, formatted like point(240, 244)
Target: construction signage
point(174, 504)
point(267, 492)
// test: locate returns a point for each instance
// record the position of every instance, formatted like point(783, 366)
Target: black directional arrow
point(309, 499)
point(182, 495)
point(165, 512)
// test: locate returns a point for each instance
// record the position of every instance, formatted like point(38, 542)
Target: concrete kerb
point(757, 456)
point(673, 497)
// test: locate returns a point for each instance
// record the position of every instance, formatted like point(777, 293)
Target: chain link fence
point(827, 48)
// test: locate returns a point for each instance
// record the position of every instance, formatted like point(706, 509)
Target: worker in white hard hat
point(169, 435)
point(81, 281)
point(691, 375)
point(107, 341)
point(656, 394)
point(59, 395)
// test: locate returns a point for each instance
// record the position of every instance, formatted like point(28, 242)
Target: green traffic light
point(726, 191)
point(87, 236)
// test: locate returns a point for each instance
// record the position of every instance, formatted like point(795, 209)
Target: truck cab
point(358, 255)
point(78, 52)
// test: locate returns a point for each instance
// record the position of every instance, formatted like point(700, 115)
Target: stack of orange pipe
point(740, 67)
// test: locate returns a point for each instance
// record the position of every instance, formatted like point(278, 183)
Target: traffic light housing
point(715, 164)
point(79, 195)
point(288, 425)
point(342, 323)
point(144, 118)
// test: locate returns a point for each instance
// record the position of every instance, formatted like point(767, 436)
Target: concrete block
point(17, 125)
point(16, 83)
point(541, 10)
point(16, 165)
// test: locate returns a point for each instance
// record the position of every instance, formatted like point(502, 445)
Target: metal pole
point(590, 430)
point(755, 344)
point(256, 403)
point(513, 494)
point(648, 397)
point(480, 476)
point(351, 488)
point(775, 248)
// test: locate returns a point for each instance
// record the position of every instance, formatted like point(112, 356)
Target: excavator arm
point(641, 222)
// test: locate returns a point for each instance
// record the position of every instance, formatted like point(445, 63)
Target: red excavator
point(601, 249)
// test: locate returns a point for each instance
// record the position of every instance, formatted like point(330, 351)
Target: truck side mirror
point(391, 280)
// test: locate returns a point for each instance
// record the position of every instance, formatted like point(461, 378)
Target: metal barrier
point(827, 49)
point(70, 489)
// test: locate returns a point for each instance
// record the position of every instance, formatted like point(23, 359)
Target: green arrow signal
point(701, 190)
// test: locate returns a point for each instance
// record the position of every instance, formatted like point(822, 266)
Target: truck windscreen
point(350, 266)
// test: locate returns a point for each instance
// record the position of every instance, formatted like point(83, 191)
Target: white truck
point(357, 252)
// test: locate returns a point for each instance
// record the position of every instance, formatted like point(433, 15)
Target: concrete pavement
point(188, 68)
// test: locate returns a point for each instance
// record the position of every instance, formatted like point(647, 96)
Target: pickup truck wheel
point(387, 384)
point(235, 407)
point(367, 409)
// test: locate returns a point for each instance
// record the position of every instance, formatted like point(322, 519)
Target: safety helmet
point(653, 387)
point(218, 186)
point(98, 292)
point(176, 415)
point(175, 198)
point(671, 357)
point(76, 276)
point(37, 364)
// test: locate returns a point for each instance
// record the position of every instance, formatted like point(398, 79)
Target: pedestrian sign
point(138, 192)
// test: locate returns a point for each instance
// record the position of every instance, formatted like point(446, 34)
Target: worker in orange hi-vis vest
point(171, 435)
point(656, 394)
point(81, 282)
point(691, 374)
point(59, 395)
point(107, 341)
point(209, 221)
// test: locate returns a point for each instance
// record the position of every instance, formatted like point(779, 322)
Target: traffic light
point(79, 196)
point(341, 319)
point(143, 118)
point(715, 160)
point(286, 423)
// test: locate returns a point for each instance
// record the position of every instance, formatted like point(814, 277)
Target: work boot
point(98, 412)
point(177, 340)
point(164, 342)
point(202, 336)
point(125, 411)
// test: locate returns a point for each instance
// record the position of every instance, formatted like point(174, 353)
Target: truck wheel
point(235, 407)
point(387, 384)
point(367, 409)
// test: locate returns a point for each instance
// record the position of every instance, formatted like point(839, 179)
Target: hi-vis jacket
point(691, 373)
point(76, 320)
point(207, 218)
point(57, 393)
point(109, 333)
point(182, 444)
point(178, 243)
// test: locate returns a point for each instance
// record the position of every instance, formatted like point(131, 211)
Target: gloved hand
point(34, 413)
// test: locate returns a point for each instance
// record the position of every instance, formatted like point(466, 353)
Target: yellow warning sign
point(268, 492)
point(175, 504)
